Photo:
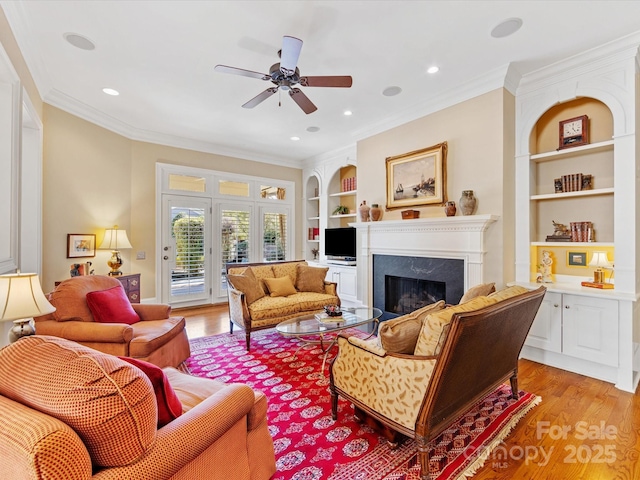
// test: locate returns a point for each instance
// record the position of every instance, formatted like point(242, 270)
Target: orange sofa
point(158, 337)
point(70, 412)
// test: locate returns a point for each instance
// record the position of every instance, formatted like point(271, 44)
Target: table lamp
point(600, 261)
point(115, 240)
point(21, 299)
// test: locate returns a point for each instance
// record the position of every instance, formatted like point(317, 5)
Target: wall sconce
point(21, 299)
point(115, 240)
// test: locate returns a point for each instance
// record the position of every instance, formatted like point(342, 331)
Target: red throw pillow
point(169, 405)
point(112, 306)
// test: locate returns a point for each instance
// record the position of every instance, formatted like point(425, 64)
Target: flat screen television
point(340, 243)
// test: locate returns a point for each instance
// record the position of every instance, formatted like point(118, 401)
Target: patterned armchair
point(462, 354)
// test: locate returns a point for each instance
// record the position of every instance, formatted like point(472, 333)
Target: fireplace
point(449, 250)
point(402, 284)
point(404, 295)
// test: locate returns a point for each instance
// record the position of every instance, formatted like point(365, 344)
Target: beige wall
point(94, 178)
point(479, 134)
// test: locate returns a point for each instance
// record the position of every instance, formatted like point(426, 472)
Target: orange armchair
point(157, 338)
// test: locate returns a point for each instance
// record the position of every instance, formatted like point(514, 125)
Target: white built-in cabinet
point(585, 330)
point(347, 279)
point(576, 332)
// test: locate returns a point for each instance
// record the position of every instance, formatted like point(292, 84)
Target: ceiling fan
point(285, 76)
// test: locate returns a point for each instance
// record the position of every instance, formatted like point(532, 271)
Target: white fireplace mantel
point(458, 237)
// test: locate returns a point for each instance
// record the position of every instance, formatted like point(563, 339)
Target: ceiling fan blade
point(289, 54)
point(302, 100)
point(260, 98)
point(241, 71)
point(336, 81)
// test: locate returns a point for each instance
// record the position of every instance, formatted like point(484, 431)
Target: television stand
point(338, 261)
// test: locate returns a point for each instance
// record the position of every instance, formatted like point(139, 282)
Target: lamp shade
point(600, 260)
point(21, 297)
point(115, 239)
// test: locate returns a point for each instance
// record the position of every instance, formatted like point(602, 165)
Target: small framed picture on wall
point(577, 259)
point(81, 245)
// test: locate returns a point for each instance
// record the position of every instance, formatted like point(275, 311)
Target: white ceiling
point(160, 56)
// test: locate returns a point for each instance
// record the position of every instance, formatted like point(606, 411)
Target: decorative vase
point(375, 212)
point(450, 209)
point(364, 211)
point(467, 202)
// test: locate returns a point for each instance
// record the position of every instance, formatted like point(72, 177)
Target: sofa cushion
point(273, 307)
point(248, 284)
point(70, 297)
point(280, 287)
point(310, 301)
point(311, 279)
point(289, 269)
point(109, 403)
point(432, 325)
point(508, 292)
point(401, 334)
point(480, 290)
point(169, 406)
point(112, 306)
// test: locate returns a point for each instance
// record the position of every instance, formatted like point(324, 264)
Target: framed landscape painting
point(417, 178)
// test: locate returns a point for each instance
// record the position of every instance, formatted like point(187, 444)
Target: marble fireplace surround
point(459, 237)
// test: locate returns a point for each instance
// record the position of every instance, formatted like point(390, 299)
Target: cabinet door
point(590, 329)
point(546, 331)
point(347, 283)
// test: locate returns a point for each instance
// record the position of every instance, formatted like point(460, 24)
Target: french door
point(186, 250)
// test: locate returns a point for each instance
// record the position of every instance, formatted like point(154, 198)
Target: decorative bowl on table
point(333, 310)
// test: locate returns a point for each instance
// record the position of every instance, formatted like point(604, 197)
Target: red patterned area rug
point(309, 445)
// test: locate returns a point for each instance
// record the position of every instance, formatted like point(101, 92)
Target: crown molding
point(597, 58)
point(90, 114)
point(477, 86)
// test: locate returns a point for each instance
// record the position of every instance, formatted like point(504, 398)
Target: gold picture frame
point(417, 178)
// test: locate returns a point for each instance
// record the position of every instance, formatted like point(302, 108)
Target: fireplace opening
point(404, 295)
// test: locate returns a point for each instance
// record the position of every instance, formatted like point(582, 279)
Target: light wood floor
point(583, 429)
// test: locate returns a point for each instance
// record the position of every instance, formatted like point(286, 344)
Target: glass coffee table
point(312, 329)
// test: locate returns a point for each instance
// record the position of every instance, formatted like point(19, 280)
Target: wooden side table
point(131, 284)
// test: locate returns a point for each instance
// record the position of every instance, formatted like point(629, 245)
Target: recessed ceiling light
point(313, 129)
point(433, 69)
point(111, 91)
point(79, 41)
point(506, 27)
point(295, 139)
point(348, 112)
point(391, 91)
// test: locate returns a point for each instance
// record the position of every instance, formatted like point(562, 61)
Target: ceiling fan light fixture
point(506, 27)
point(391, 91)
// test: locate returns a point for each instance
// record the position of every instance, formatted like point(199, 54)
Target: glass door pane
point(186, 273)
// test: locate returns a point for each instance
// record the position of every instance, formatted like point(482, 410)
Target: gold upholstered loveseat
point(68, 412)
point(261, 295)
point(461, 354)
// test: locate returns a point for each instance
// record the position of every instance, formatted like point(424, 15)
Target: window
point(187, 183)
point(235, 236)
point(238, 189)
point(274, 237)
